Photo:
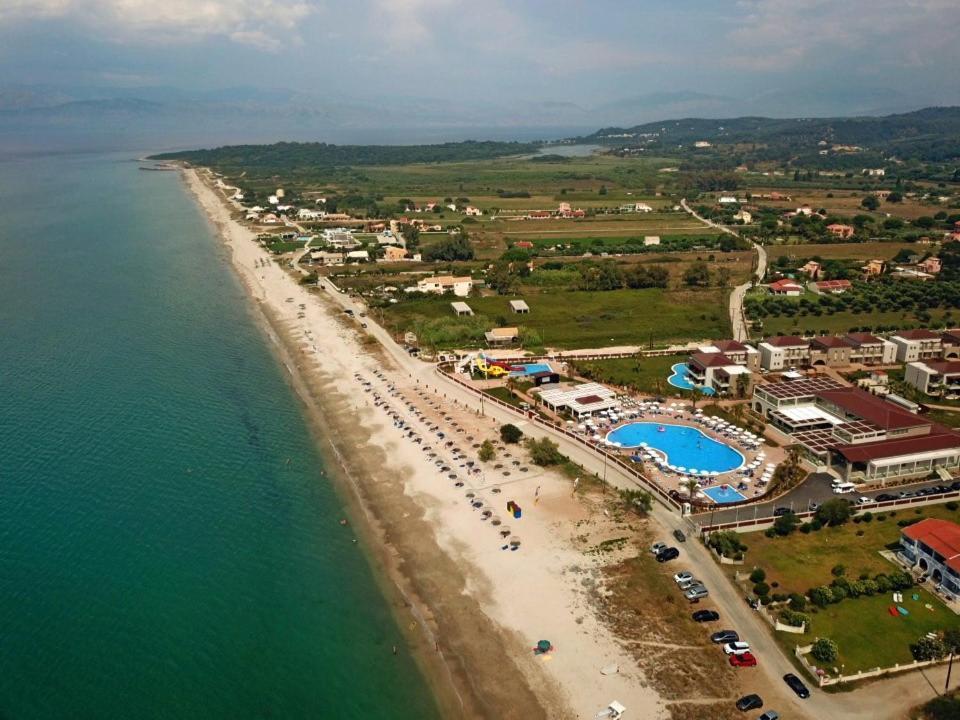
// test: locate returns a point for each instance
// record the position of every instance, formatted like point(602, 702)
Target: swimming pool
point(681, 379)
point(531, 368)
point(721, 494)
point(683, 446)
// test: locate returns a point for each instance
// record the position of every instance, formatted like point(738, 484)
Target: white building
point(440, 284)
point(917, 344)
point(472, 211)
point(307, 214)
point(651, 240)
point(936, 378)
point(778, 353)
point(727, 200)
point(340, 237)
point(580, 400)
point(358, 256)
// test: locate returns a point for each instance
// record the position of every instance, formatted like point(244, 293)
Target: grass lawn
point(867, 636)
point(648, 375)
point(568, 320)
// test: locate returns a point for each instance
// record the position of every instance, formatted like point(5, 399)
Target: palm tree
point(690, 485)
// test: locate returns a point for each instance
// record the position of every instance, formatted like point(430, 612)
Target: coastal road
point(738, 323)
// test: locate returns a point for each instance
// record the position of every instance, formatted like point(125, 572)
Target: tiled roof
point(864, 452)
point(786, 341)
point(829, 341)
point(873, 409)
point(941, 536)
point(706, 360)
point(861, 338)
point(918, 334)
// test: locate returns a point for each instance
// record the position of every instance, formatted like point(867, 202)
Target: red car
point(743, 660)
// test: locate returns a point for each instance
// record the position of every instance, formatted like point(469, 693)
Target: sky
point(847, 54)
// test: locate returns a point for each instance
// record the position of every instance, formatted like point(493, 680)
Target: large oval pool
point(683, 446)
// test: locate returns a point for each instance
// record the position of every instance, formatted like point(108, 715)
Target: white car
point(864, 500)
point(736, 648)
point(657, 547)
point(682, 576)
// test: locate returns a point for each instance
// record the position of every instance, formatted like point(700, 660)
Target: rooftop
point(706, 360)
point(941, 536)
point(944, 367)
point(861, 338)
point(869, 407)
point(829, 341)
point(918, 334)
point(728, 346)
point(786, 341)
point(800, 388)
point(865, 452)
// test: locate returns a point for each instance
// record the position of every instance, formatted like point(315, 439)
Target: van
point(841, 488)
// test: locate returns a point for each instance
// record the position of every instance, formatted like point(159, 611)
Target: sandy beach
point(475, 610)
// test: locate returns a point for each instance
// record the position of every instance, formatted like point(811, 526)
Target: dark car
point(749, 702)
point(678, 534)
point(782, 511)
point(796, 684)
point(724, 636)
point(955, 485)
point(706, 616)
point(670, 553)
point(941, 489)
point(885, 497)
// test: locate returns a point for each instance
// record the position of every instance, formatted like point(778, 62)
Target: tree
point(544, 452)
point(697, 275)
point(870, 202)
point(639, 501)
point(758, 575)
point(452, 248)
point(501, 278)
point(690, 485)
point(786, 523)
point(510, 434)
point(821, 596)
point(825, 650)
point(486, 453)
point(723, 277)
point(834, 512)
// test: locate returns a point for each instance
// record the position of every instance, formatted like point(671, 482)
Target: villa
point(502, 336)
point(841, 231)
point(933, 546)
point(917, 345)
point(832, 287)
point(785, 287)
point(868, 349)
point(936, 378)
point(862, 437)
point(440, 284)
point(830, 350)
point(738, 352)
point(719, 372)
point(778, 353)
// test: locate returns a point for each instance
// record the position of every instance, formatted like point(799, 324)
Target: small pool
point(721, 494)
point(681, 379)
point(531, 369)
point(683, 446)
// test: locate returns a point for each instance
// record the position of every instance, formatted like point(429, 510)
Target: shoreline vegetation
point(464, 609)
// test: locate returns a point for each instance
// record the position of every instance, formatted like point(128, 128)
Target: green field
point(842, 322)
point(570, 320)
point(646, 374)
point(867, 635)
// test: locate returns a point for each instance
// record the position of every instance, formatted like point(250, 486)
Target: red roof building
point(832, 286)
point(785, 287)
point(934, 546)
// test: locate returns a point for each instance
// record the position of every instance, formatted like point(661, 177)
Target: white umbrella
point(714, 473)
point(693, 471)
point(681, 469)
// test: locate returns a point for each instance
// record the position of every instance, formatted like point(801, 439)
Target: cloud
point(260, 23)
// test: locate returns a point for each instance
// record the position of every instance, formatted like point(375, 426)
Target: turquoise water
point(531, 368)
point(723, 494)
point(683, 446)
point(681, 379)
point(169, 547)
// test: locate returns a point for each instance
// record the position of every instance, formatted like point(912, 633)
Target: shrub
point(727, 543)
point(821, 596)
point(815, 524)
point(486, 453)
point(798, 602)
point(881, 517)
point(867, 516)
point(838, 570)
point(834, 512)
point(510, 433)
point(544, 452)
point(839, 593)
point(761, 589)
point(795, 619)
point(780, 597)
point(870, 587)
point(786, 524)
point(928, 649)
point(859, 533)
point(825, 650)
point(758, 575)
point(952, 505)
point(806, 528)
point(770, 532)
point(883, 583)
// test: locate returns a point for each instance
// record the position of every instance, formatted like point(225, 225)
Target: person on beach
point(536, 495)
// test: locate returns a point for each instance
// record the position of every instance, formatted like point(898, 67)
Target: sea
point(170, 542)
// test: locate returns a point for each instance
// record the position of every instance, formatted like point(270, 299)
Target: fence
point(610, 458)
point(822, 680)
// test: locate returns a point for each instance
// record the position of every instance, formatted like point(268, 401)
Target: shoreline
point(470, 612)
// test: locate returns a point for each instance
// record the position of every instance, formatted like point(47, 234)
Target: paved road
point(816, 489)
point(737, 322)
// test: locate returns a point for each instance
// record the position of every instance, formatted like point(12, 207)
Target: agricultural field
point(846, 202)
point(853, 623)
point(841, 322)
point(568, 320)
point(843, 251)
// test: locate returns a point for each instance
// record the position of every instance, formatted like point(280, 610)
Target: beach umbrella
point(714, 473)
point(681, 469)
point(693, 471)
point(514, 541)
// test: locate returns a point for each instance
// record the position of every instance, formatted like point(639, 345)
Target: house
point(840, 230)
point(830, 350)
point(440, 284)
point(874, 268)
point(387, 237)
point(523, 245)
point(727, 200)
point(580, 400)
point(811, 268)
point(701, 144)
point(877, 382)
point(784, 351)
point(950, 342)
point(269, 219)
point(472, 211)
point(860, 436)
point(917, 344)
point(307, 214)
point(502, 336)
point(359, 256)
point(340, 237)
point(392, 253)
point(931, 265)
point(538, 215)
point(874, 172)
point(830, 287)
point(804, 210)
point(651, 240)
point(519, 307)
point(642, 208)
point(323, 257)
point(867, 349)
point(743, 216)
point(785, 287)
point(461, 309)
point(273, 199)
point(933, 546)
point(717, 371)
point(938, 378)
point(564, 207)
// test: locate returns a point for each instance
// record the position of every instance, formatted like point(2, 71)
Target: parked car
point(697, 593)
point(689, 584)
point(657, 547)
point(667, 554)
point(796, 684)
point(749, 702)
point(864, 500)
point(724, 636)
point(736, 648)
point(782, 511)
point(682, 575)
point(906, 494)
point(706, 616)
point(941, 489)
point(745, 659)
point(678, 534)
point(885, 497)
point(955, 485)
point(770, 715)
